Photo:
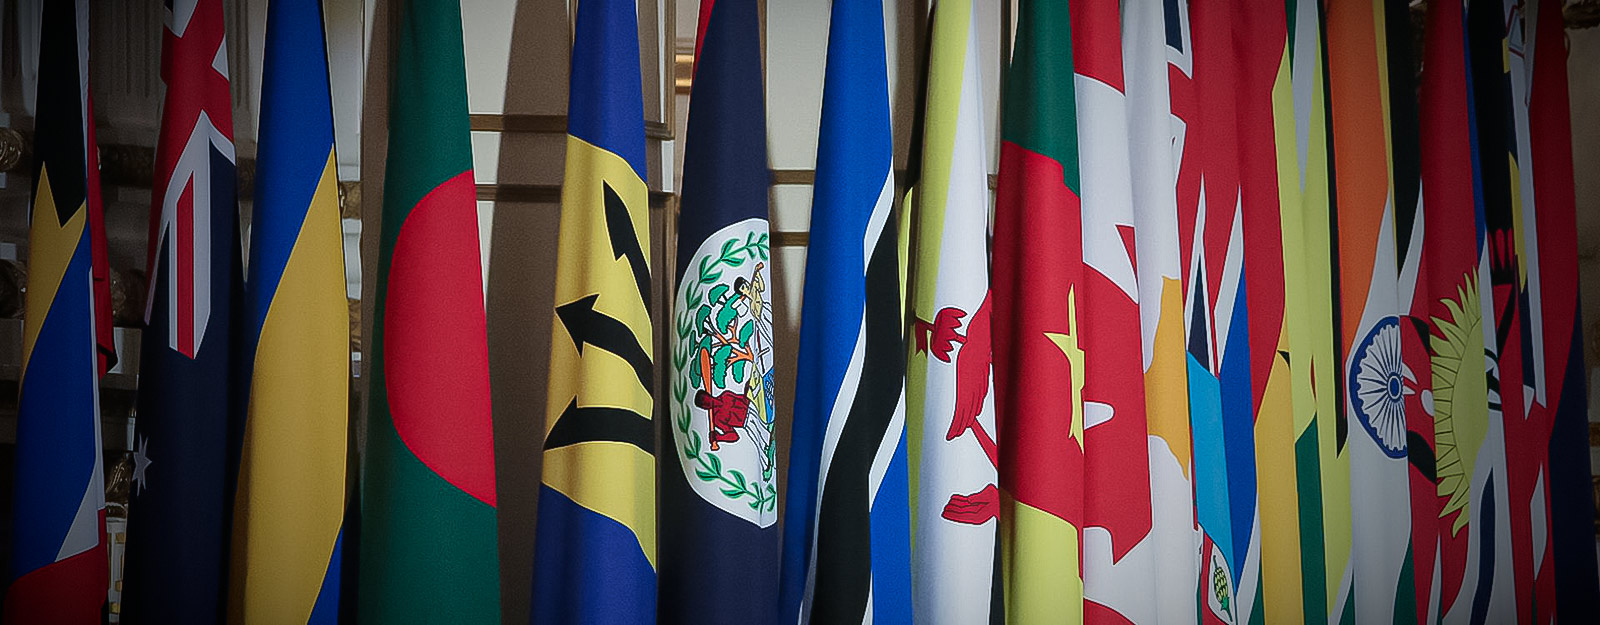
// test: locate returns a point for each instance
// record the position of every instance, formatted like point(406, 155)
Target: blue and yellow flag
point(289, 508)
point(595, 546)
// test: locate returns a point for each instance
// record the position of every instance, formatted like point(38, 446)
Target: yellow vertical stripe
point(1040, 565)
point(1279, 418)
point(292, 473)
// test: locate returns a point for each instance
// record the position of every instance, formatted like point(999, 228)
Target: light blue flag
point(846, 548)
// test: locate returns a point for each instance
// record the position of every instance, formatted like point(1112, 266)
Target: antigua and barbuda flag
point(949, 410)
point(1527, 439)
point(847, 542)
point(719, 499)
point(428, 547)
point(1037, 328)
point(1174, 535)
point(58, 568)
point(1376, 381)
point(290, 502)
point(594, 557)
point(1119, 559)
point(1569, 497)
point(188, 408)
point(1322, 471)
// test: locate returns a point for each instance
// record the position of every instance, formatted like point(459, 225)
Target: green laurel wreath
point(732, 482)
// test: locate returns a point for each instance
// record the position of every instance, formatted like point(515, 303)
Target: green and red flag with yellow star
point(1038, 260)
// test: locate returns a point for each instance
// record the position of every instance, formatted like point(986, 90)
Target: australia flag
point(183, 435)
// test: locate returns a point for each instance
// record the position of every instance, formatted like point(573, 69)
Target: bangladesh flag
point(428, 549)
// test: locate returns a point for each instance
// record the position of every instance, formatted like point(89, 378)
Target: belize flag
point(719, 508)
point(847, 551)
point(289, 509)
point(58, 568)
point(594, 558)
point(429, 549)
point(183, 439)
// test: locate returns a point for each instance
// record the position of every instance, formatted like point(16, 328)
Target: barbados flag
point(428, 505)
point(719, 508)
point(847, 551)
point(58, 553)
point(595, 544)
point(289, 505)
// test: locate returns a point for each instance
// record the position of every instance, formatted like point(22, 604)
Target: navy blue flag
point(178, 533)
point(719, 488)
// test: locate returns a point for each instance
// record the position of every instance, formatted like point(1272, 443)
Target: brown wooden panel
point(545, 194)
point(547, 124)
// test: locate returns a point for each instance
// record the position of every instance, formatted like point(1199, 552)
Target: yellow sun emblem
point(1460, 399)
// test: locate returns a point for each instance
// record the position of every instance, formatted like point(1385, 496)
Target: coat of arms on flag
point(722, 408)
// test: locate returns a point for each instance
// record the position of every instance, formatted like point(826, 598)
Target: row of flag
point(240, 443)
point(1212, 356)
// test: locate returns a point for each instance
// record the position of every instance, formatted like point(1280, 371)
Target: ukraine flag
point(595, 545)
point(289, 508)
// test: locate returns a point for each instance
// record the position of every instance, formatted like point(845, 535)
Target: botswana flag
point(846, 551)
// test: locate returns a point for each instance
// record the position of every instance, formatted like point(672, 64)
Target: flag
point(595, 543)
point(1527, 441)
point(59, 569)
point(290, 500)
point(428, 507)
point(719, 507)
point(184, 439)
point(1370, 337)
point(1038, 353)
point(846, 551)
point(1570, 496)
point(1490, 560)
point(1445, 326)
point(1270, 197)
point(1145, 45)
point(1221, 394)
point(949, 411)
point(1118, 557)
point(1322, 470)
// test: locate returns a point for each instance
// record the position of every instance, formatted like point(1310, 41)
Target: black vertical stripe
point(59, 125)
point(844, 540)
point(1340, 419)
point(1404, 140)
